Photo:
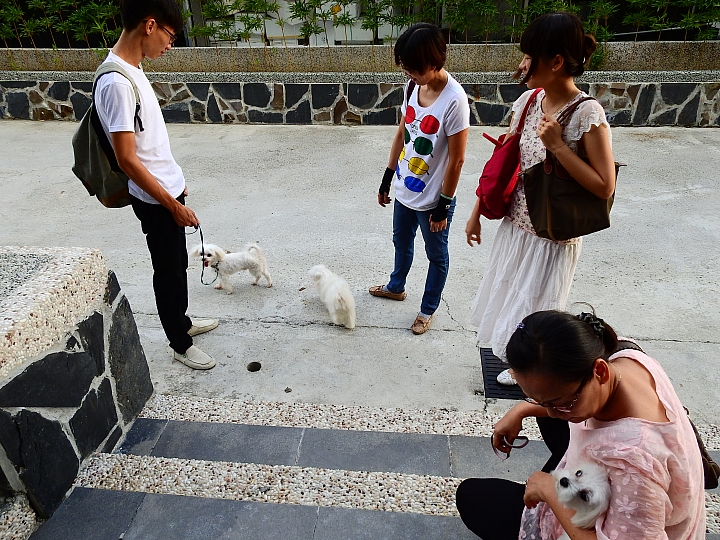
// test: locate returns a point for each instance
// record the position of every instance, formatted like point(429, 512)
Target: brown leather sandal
point(377, 290)
point(421, 325)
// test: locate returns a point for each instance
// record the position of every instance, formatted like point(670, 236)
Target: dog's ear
point(195, 252)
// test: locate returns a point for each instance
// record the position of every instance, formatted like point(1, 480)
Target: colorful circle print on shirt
point(420, 138)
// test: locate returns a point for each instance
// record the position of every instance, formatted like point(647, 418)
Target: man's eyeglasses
point(561, 408)
point(173, 37)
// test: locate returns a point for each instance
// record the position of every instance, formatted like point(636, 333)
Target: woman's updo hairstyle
point(558, 33)
point(560, 344)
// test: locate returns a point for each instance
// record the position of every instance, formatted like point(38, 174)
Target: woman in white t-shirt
point(527, 273)
point(426, 158)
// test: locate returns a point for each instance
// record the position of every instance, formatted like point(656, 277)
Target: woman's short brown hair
point(421, 47)
point(557, 33)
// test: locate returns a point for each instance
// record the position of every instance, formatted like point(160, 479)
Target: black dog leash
point(202, 252)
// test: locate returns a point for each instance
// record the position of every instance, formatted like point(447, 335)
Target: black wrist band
point(387, 180)
point(440, 213)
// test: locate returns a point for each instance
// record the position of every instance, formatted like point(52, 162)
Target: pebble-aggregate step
point(17, 519)
point(393, 492)
point(327, 416)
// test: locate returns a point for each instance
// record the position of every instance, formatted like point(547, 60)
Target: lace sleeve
point(588, 114)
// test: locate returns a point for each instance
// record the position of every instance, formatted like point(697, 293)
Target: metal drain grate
point(491, 368)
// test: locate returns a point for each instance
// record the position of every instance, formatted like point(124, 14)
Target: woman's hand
point(473, 227)
point(507, 430)
point(550, 133)
point(539, 488)
point(473, 231)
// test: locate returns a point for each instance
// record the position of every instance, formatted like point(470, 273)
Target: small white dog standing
point(226, 263)
point(336, 295)
point(584, 488)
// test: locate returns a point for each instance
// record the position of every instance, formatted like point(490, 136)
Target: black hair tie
point(597, 324)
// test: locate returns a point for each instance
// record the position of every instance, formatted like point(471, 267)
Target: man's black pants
point(168, 251)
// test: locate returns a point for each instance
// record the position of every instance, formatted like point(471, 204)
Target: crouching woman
point(623, 414)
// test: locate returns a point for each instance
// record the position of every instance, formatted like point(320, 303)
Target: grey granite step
point(95, 514)
point(436, 455)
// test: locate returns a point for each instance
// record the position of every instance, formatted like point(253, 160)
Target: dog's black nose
point(564, 482)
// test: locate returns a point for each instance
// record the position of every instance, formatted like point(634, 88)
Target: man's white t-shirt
point(115, 105)
point(424, 159)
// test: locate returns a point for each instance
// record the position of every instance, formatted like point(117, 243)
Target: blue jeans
point(405, 225)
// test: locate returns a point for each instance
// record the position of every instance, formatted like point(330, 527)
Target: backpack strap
point(103, 140)
point(113, 67)
point(410, 87)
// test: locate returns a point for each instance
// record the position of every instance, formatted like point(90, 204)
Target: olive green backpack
point(95, 163)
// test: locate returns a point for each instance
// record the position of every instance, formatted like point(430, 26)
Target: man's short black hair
point(421, 47)
point(165, 12)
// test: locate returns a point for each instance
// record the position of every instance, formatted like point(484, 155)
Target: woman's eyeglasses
point(561, 408)
point(520, 442)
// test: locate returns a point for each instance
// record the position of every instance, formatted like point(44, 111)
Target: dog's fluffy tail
point(260, 256)
point(257, 250)
point(348, 307)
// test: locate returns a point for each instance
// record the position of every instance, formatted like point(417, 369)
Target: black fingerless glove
point(386, 181)
point(440, 213)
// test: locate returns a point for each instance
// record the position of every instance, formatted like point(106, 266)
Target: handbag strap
point(521, 122)
point(711, 470)
point(564, 117)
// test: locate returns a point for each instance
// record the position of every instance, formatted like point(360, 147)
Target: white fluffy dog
point(584, 488)
point(336, 295)
point(226, 263)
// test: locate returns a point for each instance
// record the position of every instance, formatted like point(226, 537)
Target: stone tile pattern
point(626, 103)
point(77, 394)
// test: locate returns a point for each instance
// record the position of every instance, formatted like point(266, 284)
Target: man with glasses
point(157, 186)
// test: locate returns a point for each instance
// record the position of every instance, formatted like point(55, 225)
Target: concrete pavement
point(306, 194)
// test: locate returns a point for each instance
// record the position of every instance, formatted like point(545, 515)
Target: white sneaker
point(200, 326)
point(506, 378)
point(195, 358)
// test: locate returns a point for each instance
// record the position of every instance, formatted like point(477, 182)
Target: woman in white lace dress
point(527, 273)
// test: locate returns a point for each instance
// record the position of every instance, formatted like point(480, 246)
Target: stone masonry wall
point(75, 397)
point(689, 104)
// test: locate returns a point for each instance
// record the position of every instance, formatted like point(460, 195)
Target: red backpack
point(499, 175)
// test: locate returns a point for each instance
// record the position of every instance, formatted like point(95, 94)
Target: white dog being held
point(226, 263)
point(584, 488)
point(336, 295)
